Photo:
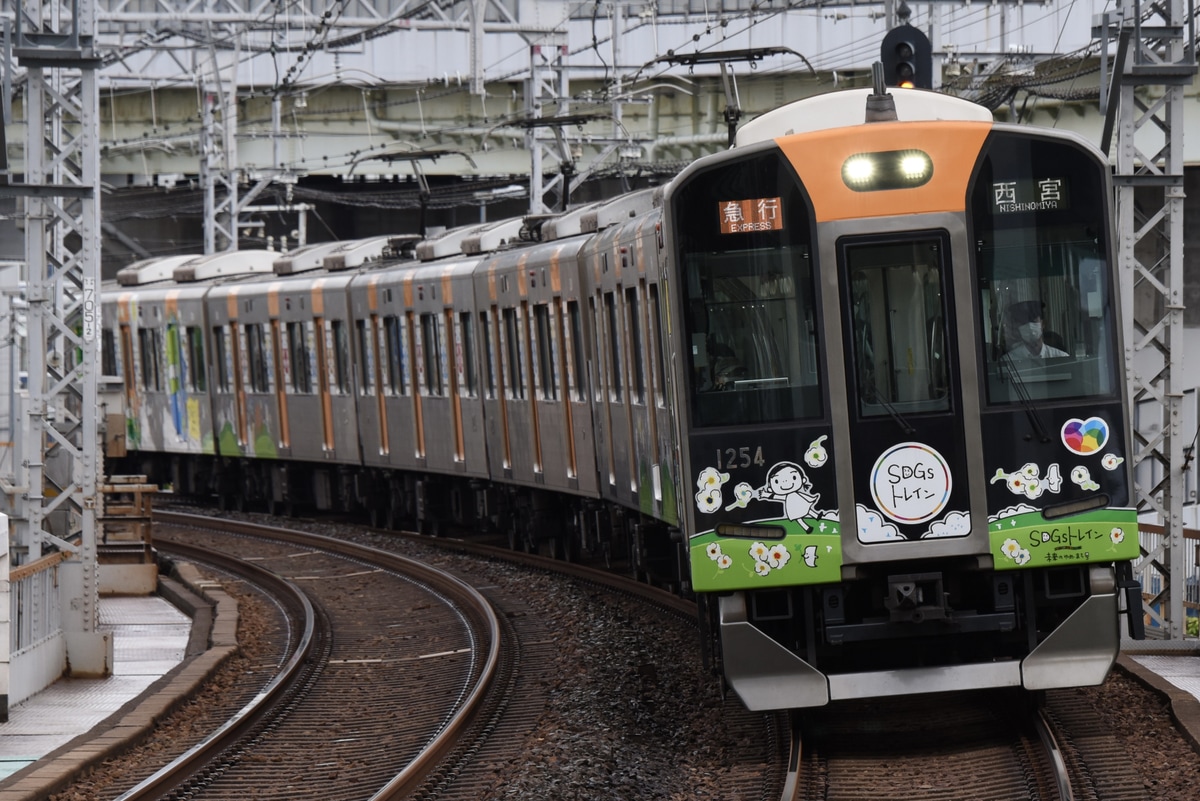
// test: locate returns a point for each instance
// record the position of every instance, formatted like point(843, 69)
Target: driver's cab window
point(1039, 214)
point(1048, 319)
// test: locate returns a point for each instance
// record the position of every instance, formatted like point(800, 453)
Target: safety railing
point(36, 611)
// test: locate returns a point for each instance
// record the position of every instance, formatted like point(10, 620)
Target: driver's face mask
point(1031, 332)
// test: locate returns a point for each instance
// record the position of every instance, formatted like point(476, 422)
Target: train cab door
point(907, 442)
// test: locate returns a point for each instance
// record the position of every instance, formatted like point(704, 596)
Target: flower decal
point(1110, 461)
point(816, 455)
point(770, 558)
point(1117, 535)
point(708, 494)
point(708, 501)
point(724, 561)
point(1013, 550)
point(1083, 477)
point(711, 479)
point(743, 493)
point(1028, 481)
point(778, 556)
point(714, 551)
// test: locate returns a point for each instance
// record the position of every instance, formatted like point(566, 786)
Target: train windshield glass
point(753, 350)
point(1049, 325)
point(898, 327)
point(744, 236)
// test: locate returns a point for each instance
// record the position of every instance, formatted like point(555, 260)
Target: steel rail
point(440, 746)
point(172, 776)
point(1045, 731)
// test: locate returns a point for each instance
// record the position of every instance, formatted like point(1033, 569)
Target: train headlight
point(857, 171)
point(890, 169)
point(916, 166)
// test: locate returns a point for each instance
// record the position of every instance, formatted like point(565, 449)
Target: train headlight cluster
point(890, 169)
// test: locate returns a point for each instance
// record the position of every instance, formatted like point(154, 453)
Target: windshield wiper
point(1023, 396)
point(905, 426)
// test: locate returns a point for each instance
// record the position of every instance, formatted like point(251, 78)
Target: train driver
point(1025, 324)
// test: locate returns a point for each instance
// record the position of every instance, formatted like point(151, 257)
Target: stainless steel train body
point(156, 341)
point(792, 385)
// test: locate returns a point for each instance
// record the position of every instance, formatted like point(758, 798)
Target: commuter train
point(856, 385)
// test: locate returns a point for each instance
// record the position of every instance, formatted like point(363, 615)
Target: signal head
point(907, 58)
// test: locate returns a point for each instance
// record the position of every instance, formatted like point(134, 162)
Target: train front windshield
point(1049, 326)
point(745, 246)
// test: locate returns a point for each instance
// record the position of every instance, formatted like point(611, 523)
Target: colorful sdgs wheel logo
point(1085, 437)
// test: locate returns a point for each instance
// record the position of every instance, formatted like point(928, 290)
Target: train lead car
point(902, 404)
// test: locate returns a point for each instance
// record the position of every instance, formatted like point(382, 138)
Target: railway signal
point(907, 58)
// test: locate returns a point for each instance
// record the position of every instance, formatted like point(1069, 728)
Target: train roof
point(355, 253)
point(492, 237)
point(447, 243)
point(153, 270)
point(225, 264)
point(304, 259)
point(848, 108)
point(622, 208)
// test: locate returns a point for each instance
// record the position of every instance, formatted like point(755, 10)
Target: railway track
point(308, 636)
point(324, 725)
point(992, 746)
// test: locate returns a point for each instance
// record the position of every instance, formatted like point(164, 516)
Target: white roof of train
point(848, 107)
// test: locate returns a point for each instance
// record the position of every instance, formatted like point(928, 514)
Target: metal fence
point(36, 612)
point(1151, 577)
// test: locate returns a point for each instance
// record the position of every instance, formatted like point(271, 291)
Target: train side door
point(907, 439)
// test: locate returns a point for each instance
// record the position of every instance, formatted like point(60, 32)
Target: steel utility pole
point(1156, 51)
point(55, 498)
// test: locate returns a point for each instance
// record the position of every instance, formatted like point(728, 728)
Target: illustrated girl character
point(787, 484)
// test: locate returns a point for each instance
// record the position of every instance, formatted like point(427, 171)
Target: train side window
point(636, 355)
point(366, 355)
point(513, 360)
point(574, 333)
point(489, 355)
point(223, 358)
point(601, 362)
point(110, 366)
point(197, 379)
point(466, 342)
point(614, 346)
point(656, 335)
point(394, 346)
point(150, 346)
point(298, 353)
point(259, 358)
point(341, 357)
point(431, 353)
point(547, 353)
